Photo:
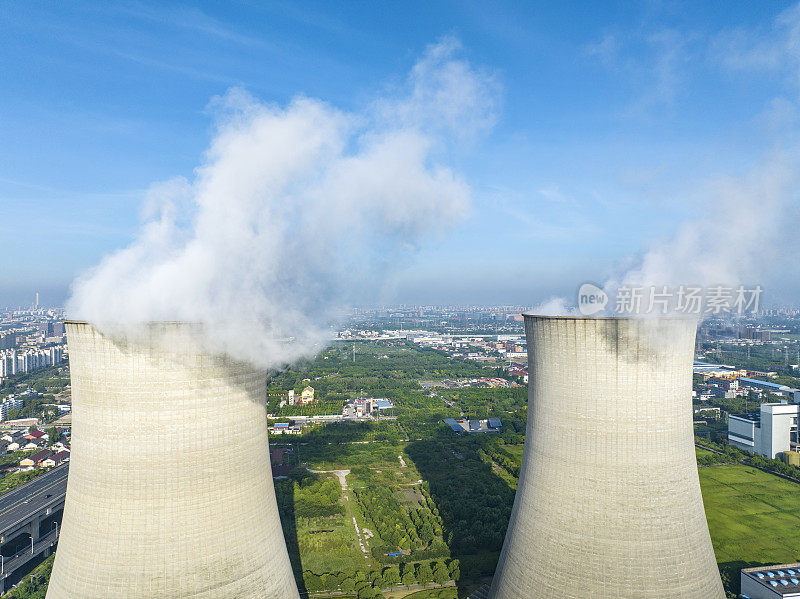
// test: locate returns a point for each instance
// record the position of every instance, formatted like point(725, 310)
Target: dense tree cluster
point(474, 504)
point(370, 584)
point(313, 496)
point(390, 520)
point(500, 456)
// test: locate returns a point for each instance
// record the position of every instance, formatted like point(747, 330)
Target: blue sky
point(612, 119)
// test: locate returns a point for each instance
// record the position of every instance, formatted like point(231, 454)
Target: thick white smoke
point(744, 235)
point(295, 212)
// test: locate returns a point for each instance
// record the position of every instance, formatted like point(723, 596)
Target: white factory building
point(772, 431)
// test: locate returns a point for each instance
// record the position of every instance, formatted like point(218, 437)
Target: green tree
point(440, 573)
point(391, 576)
point(313, 582)
point(376, 579)
point(331, 581)
point(424, 574)
point(454, 567)
point(367, 593)
point(408, 576)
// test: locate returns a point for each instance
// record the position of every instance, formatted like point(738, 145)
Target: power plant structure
point(170, 489)
point(608, 502)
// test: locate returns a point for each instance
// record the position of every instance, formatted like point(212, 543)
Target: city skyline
point(612, 127)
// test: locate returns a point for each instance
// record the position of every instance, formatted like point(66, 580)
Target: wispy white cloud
point(774, 48)
point(193, 19)
point(548, 213)
point(655, 65)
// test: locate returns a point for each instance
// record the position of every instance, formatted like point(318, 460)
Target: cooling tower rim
point(620, 318)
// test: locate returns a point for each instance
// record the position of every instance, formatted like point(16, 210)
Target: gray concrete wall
point(608, 502)
point(746, 435)
point(756, 590)
point(170, 488)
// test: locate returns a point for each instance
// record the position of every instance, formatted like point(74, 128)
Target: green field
point(753, 518)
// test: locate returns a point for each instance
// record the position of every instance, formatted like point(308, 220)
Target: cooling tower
point(608, 503)
point(170, 488)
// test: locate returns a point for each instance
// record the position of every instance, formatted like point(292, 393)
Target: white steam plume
point(745, 234)
point(295, 212)
point(555, 306)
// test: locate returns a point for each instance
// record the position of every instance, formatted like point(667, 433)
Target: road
point(17, 505)
point(9, 564)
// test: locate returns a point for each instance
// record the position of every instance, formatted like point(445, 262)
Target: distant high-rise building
point(8, 341)
point(608, 503)
point(58, 329)
point(170, 489)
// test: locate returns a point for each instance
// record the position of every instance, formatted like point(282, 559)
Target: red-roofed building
point(56, 459)
point(36, 435)
point(36, 459)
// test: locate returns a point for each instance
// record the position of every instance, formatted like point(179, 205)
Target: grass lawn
point(334, 551)
point(753, 518)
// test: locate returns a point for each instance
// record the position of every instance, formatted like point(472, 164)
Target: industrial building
point(789, 392)
point(608, 502)
point(488, 425)
point(170, 490)
point(771, 431)
point(773, 582)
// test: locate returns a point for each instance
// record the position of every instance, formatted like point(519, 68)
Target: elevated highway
point(30, 516)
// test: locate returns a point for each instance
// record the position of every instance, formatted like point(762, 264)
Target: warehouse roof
point(782, 579)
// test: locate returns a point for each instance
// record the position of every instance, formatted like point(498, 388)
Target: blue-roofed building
point(454, 424)
point(791, 393)
point(492, 425)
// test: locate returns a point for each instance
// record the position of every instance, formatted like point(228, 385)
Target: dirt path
point(342, 476)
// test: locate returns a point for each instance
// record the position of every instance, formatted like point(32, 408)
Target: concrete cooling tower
point(608, 503)
point(170, 488)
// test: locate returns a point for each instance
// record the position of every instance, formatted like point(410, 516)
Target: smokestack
point(608, 502)
point(170, 488)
